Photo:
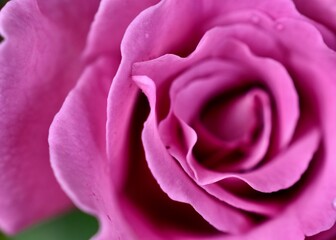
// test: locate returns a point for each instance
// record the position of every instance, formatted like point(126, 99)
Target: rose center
point(234, 119)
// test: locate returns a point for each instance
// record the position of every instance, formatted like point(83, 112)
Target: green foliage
point(73, 226)
point(2, 3)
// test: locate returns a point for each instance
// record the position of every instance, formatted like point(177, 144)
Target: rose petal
point(171, 137)
point(325, 235)
point(280, 173)
point(78, 150)
point(321, 14)
point(138, 42)
point(87, 193)
point(273, 77)
point(315, 213)
point(252, 111)
point(321, 11)
point(264, 206)
point(110, 23)
point(40, 63)
point(284, 226)
point(185, 104)
point(173, 180)
point(169, 127)
point(137, 31)
point(314, 206)
point(148, 209)
point(285, 169)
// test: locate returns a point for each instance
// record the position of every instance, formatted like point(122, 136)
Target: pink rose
point(173, 120)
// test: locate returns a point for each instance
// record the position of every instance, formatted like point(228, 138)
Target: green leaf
point(72, 226)
point(2, 3)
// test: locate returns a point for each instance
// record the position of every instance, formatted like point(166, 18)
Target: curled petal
point(179, 187)
point(78, 150)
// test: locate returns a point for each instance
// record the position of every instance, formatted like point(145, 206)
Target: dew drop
point(279, 26)
point(255, 19)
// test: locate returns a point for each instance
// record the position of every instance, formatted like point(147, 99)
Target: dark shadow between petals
point(144, 193)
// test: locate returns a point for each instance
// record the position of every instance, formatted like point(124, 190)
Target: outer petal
point(279, 228)
point(314, 205)
point(40, 62)
point(111, 21)
point(322, 11)
point(82, 120)
point(77, 148)
point(326, 235)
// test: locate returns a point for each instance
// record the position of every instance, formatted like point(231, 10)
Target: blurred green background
point(2, 2)
point(74, 225)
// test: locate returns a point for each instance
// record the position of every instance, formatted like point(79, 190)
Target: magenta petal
point(321, 14)
point(322, 11)
point(277, 80)
point(280, 173)
point(267, 72)
point(284, 226)
point(175, 182)
point(78, 150)
point(265, 208)
point(186, 108)
point(285, 169)
point(40, 63)
point(207, 88)
point(314, 206)
point(138, 41)
point(325, 235)
point(112, 19)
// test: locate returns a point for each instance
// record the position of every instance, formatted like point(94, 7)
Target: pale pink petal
point(40, 63)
